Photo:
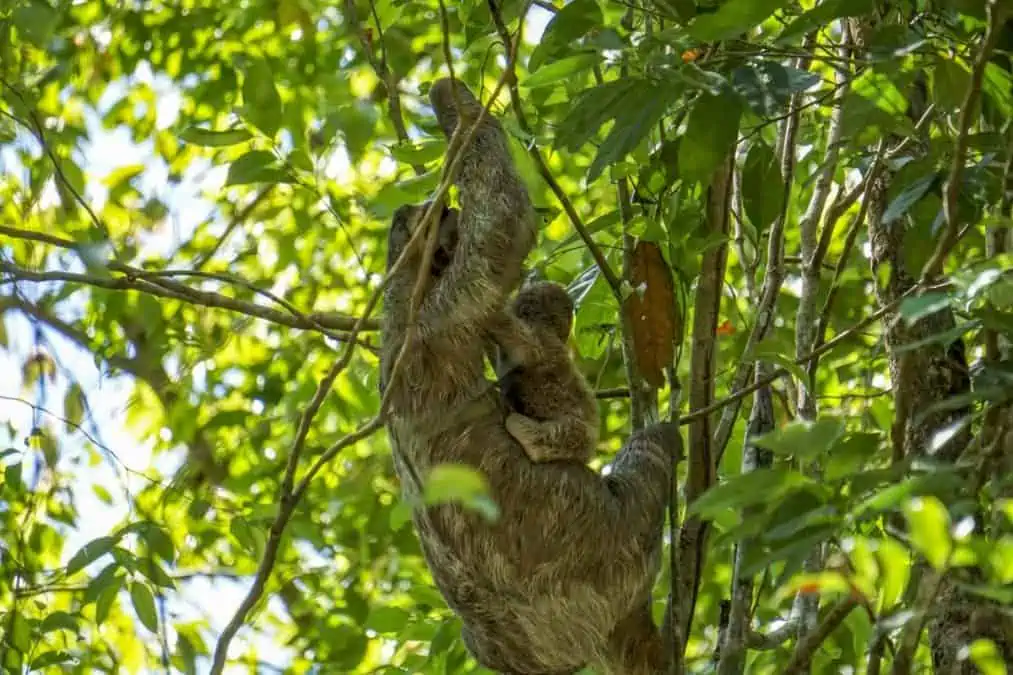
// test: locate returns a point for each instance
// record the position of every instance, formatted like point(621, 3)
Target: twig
point(394, 109)
point(770, 288)
point(951, 190)
point(807, 645)
point(911, 634)
point(39, 133)
point(148, 282)
point(849, 243)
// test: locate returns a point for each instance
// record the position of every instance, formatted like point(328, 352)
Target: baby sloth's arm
point(566, 438)
point(520, 345)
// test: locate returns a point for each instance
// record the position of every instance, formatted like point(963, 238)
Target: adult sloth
point(563, 577)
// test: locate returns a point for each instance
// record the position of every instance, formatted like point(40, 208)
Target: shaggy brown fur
point(564, 576)
point(554, 414)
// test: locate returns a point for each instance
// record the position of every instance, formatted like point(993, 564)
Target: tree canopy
point(785, 224)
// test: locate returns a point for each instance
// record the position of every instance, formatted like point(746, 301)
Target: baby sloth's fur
point(554, 414)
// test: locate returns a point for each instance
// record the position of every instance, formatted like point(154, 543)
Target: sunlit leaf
point(733, 18)
point(802, 438)
point(262, 104)
point(73, 406)
point(461, 484)
point(986, 656)
point(387, 620)
point(90, 552)
point(929, 524)
point(144, 604)
point(215, 139)
point(559, 70)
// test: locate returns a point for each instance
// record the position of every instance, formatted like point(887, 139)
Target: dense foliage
point(799, 209)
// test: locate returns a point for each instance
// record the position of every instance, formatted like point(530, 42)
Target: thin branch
point(39, 133)
point(849, 244)
point(911, 634)
point(238, 219)
point(954, 182)
point(772, 279)
point(394, 108)
point(733, 648)
point(150, 283)
point(807, 646)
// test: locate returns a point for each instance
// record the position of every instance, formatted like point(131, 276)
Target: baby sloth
point(553, 412)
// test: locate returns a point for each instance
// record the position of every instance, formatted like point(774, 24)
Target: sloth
point(563, 576)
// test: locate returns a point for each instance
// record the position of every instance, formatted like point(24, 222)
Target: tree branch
point(152, 284)
point(807, 645)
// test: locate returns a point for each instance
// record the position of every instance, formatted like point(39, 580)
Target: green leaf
point(635, 119)
point(823, 14)
point(59, 620)
point(50, 659)
point(106, 599)
point(929, 524)
point(573, 21)
point(387, 620)
point(215, 139)
point(158, 541)
point(593, 108)
point(732, 19)
point(420, 153)
point(762, 186)
point(256, 166)
point(908, 198)
point(261, 102)
point(35, 21)
point(90, 552)
point(102, 580)
point(463, 484)
point(987, 657)
point(73, 406)
point(560, 70)
point(803, 438)
point(775, 350)
point(755, 487)
point(915, 308)
point(894, 572)
point(144, 604)
point(949, 83)
point(12, 477)
point(878, 89)
point(710, 135)
point(20, 633)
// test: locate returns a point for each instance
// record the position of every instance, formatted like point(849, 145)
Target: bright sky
point(109, 397)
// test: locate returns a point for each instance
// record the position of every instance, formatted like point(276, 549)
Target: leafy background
point(194, 206)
